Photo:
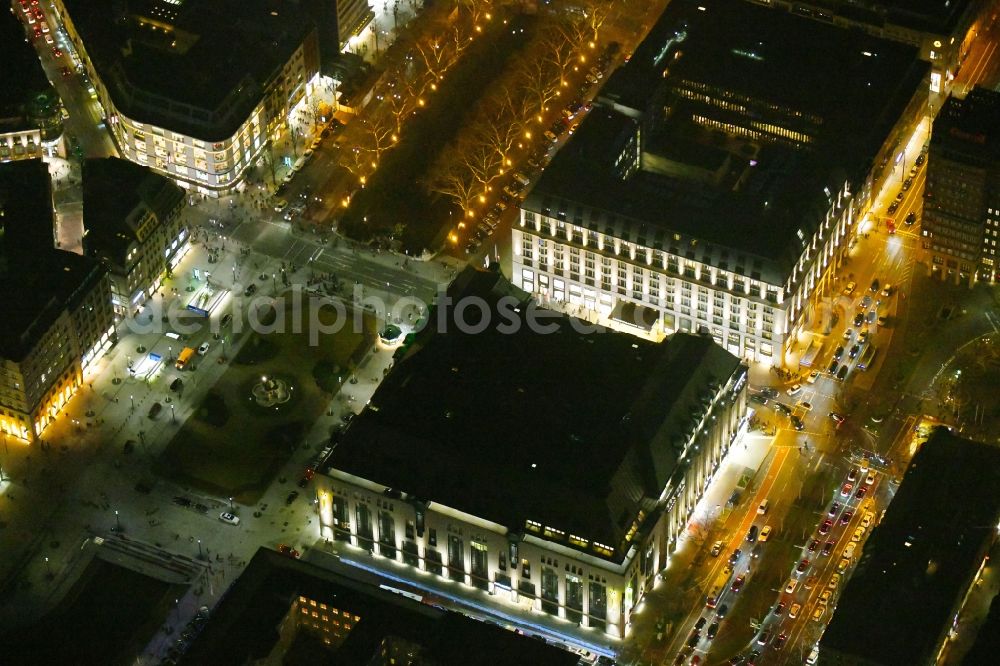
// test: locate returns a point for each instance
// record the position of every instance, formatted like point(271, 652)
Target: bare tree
point(477, 10)
point(379, 129)
point(483, 162)
point(597, 12)
point(576, 29)
point(519, 105)
point(539, 82)
point(440, 54)
point(401, 103)
point(499, 134)
point(560, 53)
point(453, 180)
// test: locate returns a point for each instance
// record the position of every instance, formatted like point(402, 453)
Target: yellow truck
point(184, 357)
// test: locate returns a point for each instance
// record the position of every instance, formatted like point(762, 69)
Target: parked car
point(229, 518)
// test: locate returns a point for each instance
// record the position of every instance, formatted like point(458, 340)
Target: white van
point(813, 656)
point(762, 509)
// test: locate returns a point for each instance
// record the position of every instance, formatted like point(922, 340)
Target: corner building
point(135, 225)
point(720, 176)
point(195, 90)
point(58, 317)
point(547, 470)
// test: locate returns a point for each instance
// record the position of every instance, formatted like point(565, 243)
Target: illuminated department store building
point(195, 90)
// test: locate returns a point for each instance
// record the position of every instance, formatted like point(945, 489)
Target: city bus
point(718, 587)
point(184, 357)
point(867, 357)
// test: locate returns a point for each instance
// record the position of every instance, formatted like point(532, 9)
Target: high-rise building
point(961, 218)
point(134, 223)
point(523, 460)
point(57, 313)
point(720, 176)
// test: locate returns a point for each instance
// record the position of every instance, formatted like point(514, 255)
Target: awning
point(635, 316)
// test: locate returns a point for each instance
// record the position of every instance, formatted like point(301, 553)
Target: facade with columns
point(577, 531)
point(709, 197)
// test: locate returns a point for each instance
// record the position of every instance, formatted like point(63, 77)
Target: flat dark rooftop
point(970, 123)
point(935, 16)
point(916, 561)
point(512, 426)
point(244, 626)
point(203, 57)
point(112, 189)
point(29, 262)
point(842, 88)
point(21, 76)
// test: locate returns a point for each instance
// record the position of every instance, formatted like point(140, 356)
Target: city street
point(82, 483)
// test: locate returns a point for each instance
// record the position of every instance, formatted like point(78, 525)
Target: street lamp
point(132, 398)
point(173, 416)
point(231, 504)
point(118, 522)
point(201, 555)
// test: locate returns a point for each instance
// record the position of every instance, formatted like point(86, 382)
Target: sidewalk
point(675, 592)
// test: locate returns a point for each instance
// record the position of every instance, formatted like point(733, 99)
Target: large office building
point(134, 222)
point(943, 31)
point(525, 461)
point(57, 315)
point(195, 90)
point(285, 611)
point(961, 219)
point(720, 175)
point(920, 562)
point(29, 107)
